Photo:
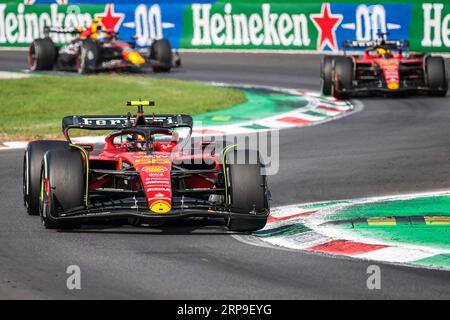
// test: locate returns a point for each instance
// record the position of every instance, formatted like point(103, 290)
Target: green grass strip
point(34, 107)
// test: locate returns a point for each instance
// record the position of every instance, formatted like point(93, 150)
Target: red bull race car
point(93, 49)
point(384, 67)
point(148, 171)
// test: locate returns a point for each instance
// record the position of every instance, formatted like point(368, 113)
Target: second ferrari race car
point(142, 175)
point(384, 67)
point(95, 49)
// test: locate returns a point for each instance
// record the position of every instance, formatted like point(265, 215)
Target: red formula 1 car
point(146, 172)
point(384, 67)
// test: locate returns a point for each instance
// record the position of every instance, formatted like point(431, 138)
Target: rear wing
point(113, 122)
point(60, 30)
point(48, 30)
point(392, 44)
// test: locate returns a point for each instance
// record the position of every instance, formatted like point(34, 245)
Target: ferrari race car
point(384, 67)
point(146, 173)
point(98, 50)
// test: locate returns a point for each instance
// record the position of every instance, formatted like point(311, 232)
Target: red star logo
point(110, 19)
point(326, 23)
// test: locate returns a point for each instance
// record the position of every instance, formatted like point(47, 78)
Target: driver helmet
point(135, 142)
point(96, 27)
point(382, 52)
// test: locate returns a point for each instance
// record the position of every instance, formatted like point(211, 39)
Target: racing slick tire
point(436, 76)
point(62, 186)
point(326, 75)
point(32, 163)
point(42, 54)
point(343, 77)
point(88, 58)
point(248, 192)
point(161, 53)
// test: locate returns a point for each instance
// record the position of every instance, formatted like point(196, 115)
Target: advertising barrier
point(246, 24)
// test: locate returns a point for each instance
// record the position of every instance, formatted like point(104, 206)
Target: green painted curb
point(282, 231)
point(420, 221)
point(437, 261)
point(260, 104)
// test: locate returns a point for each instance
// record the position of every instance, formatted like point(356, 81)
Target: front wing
point(133, 208)
point(384, 90)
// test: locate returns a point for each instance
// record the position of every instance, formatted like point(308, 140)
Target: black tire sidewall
point(343, 70)
point(161, 53)
point(436, 75)
point(65, 172)
point(247, 188)
point(89, 57)
point(45, 54)
point(326, 72)
point(32, 164)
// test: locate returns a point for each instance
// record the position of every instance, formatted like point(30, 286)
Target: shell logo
point(160, 206)
point(154, 169)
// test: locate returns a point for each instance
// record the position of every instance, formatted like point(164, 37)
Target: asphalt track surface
point(392, 146)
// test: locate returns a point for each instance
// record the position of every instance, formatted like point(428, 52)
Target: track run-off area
point(392, 146)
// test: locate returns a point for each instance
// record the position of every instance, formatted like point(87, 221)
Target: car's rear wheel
point(42, 54)
point(89, 57)
point(343, 70)
point(326, 75)
point(161, 54)
point(436, 76)
point(247, 190)
point(62, 186)
point(32, 163)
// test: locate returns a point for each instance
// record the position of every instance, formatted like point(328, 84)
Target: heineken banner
point(245, 24)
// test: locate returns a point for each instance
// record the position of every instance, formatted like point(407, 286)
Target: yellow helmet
point(97, 20)
point(381, 51)
point(96, 24)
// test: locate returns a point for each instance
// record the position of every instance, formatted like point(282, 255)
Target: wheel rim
point(32, 57)
point(44, 198)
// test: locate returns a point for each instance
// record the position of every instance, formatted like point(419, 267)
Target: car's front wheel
point(42, 54)
point(62, 186)
point(436, 76)
point(246, 190)
point(32, 163)
point(161, 54)
point(88, 57)
point(326, 75)
point(343, 68)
